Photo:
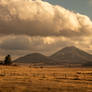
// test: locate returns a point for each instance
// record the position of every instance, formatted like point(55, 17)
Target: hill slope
point(35, 58)
point(72, 55)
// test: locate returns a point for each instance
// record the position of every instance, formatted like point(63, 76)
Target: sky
point(81, 6)
point(44, 26)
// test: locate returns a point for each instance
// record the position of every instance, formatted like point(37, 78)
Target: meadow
point(45, 79)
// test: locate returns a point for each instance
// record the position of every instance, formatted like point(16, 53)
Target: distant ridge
point(67, 55)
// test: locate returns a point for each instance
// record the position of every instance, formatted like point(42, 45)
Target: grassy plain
point(46, 79)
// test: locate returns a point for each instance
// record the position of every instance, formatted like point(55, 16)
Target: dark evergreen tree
point(7, 60)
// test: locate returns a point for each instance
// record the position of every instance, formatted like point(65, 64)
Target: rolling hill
point(35, 58)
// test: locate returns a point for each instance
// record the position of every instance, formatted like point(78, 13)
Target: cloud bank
point(21, 45)
point(40, 18)
point(28, 26)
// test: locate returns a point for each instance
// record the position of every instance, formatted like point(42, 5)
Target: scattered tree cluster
point(7, 60)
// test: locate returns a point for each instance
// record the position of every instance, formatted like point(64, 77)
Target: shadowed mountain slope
point(35, 58)
point(72, 55)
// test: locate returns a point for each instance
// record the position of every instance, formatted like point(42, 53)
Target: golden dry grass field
point(47, 79)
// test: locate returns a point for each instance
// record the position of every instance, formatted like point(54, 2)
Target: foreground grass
point(47, 79)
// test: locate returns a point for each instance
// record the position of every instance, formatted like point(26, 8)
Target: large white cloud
point(39, 18)
point(28, 26)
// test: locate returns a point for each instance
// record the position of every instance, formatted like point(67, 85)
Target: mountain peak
point(35, 54)
point(70, 47)
point(72, 54)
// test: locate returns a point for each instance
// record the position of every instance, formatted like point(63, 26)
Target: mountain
point(35, 58)
point(67, 55)
point(71, 55)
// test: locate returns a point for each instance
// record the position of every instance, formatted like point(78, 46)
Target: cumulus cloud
point(40, 18)
point(28, 26)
